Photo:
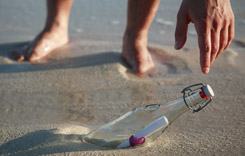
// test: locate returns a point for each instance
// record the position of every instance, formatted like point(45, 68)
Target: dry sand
point(46, 107)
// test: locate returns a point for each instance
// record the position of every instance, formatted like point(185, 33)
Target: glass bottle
point(145, 124)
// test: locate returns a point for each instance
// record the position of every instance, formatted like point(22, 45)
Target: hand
point(214, 24)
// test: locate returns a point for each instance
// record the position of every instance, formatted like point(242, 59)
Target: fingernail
point(206, 70)
point(177, 45)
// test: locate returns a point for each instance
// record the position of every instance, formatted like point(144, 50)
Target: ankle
point(136, 34)
point(56, 25)
point(55, 30)
point(135, 38)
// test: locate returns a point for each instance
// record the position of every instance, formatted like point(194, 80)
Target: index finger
point(204, 42)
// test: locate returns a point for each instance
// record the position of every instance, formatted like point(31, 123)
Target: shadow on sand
point(44, 142)
point(64, 63)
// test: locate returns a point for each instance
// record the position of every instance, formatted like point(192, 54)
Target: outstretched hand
point(214, 24)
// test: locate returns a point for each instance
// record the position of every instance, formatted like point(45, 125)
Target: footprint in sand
point(230, 56)
point(239, 43)
point(166, 65)
point(235, 58)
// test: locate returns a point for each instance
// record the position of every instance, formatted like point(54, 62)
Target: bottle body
point(142, 123)
point(119, 130)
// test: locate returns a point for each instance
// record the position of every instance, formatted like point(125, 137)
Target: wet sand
point(47, 107)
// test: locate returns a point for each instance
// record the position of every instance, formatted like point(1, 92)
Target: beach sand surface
point(46, 107)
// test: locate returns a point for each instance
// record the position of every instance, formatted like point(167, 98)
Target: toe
point(18, 55)
point(145, 69)
point(33, 57)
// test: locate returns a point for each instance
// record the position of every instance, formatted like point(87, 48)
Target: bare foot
point(42, 45)
point(136, 53)
point(54, 34)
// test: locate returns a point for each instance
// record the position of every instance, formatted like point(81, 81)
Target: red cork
point(203, 95)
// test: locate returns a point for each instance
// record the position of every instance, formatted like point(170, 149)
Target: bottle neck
point(195, 98)
point(176, 108)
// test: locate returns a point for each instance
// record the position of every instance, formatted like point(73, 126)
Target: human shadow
point(97, 59)
point(44, 142)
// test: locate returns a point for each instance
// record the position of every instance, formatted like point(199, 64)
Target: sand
point(47, 107)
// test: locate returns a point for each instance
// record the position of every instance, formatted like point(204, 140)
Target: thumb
point(181, 30)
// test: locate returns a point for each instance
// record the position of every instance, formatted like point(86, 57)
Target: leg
point(140, 16)
point(54, 34)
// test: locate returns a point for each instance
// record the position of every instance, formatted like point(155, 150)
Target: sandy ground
point(46, 107)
